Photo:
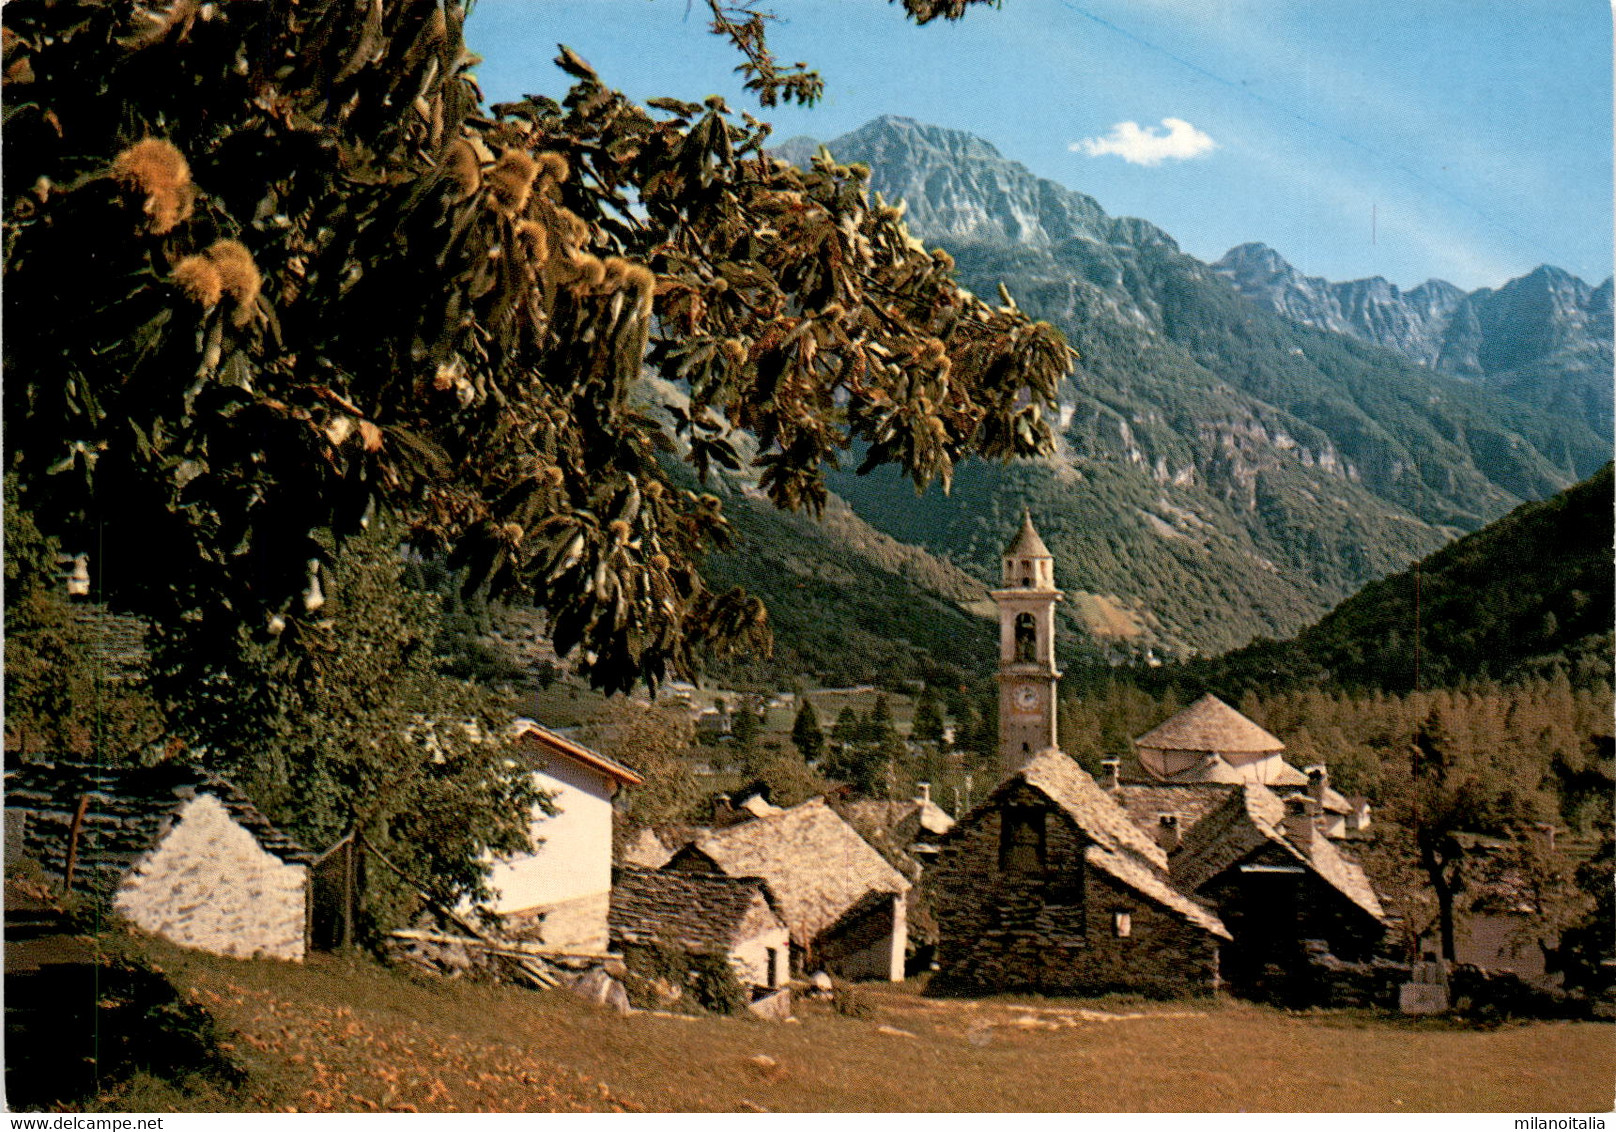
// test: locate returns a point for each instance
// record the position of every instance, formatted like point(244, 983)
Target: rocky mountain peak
point(1254, 261)
point(961, 190)
point(894, 134)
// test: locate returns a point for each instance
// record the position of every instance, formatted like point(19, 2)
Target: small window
point(774, 968)
point(1021, 840)
point(1122, 923)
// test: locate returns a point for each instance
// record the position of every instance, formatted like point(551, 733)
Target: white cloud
point(1149, 145)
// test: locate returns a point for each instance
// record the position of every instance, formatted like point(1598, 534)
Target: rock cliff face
point(1226, 467)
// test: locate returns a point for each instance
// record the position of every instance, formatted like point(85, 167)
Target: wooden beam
point(73, 840)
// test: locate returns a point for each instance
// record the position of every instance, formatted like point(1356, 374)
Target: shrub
point(849, 1003)
point(708, 980)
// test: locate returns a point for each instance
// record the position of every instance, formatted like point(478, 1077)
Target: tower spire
point(1027, 672)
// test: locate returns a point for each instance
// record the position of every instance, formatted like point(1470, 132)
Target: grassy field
point(340, 1035)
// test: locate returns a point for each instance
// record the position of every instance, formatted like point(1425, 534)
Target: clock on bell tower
point(1027, 672)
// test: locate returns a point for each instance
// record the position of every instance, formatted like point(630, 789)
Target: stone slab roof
point(641, 848)
point(1252, 818)
point(1120, 848)
point(929, 819)
point(1209, 724)
point(1027, 544)
point(1095, 812)
point(816, 865)
point(130, 809)
point(701, 912)
point(1191, 801)
point(1135, 876)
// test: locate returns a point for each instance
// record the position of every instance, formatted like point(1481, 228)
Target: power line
point(1281, 108)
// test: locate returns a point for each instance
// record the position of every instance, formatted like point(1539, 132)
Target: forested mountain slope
point(1525, 595)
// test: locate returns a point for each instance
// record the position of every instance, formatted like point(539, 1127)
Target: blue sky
point(1468, 140)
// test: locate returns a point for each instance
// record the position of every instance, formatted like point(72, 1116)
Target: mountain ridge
point(1523, 337)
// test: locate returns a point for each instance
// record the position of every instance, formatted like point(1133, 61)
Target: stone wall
point(1054, 930)
point(208, 884)
point(761, 932)
point(1333, 982)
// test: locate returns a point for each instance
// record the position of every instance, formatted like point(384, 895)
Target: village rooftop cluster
point(1205, 862)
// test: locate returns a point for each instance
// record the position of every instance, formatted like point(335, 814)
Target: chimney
point(1112, 772)
point(924, 797)
point(1301, 822)
point(1318, 781)
point(1167, 832)
point(724, 814)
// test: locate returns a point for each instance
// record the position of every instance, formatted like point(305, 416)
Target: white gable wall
point(760, 932)
point(208, 884)
point(571, 863)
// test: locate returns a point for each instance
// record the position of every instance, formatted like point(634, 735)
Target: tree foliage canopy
point(279, 267)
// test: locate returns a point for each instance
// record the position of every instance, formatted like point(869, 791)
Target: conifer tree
point(806, 733)
point(928, 722)
point(878, 727)
point(847, 729)
point(746, 723)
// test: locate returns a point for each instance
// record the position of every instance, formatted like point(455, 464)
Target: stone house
point(703, 914)
point(643, 847)
point(845, 906)
point(1047, 886)
point(1277, 882)
point(907, 834)
point(176, 851)
point(560, 893)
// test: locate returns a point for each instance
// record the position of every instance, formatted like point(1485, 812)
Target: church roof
point(1209, 724)
point(1027, 544)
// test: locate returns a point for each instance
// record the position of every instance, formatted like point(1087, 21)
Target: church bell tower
point(1027, 672)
